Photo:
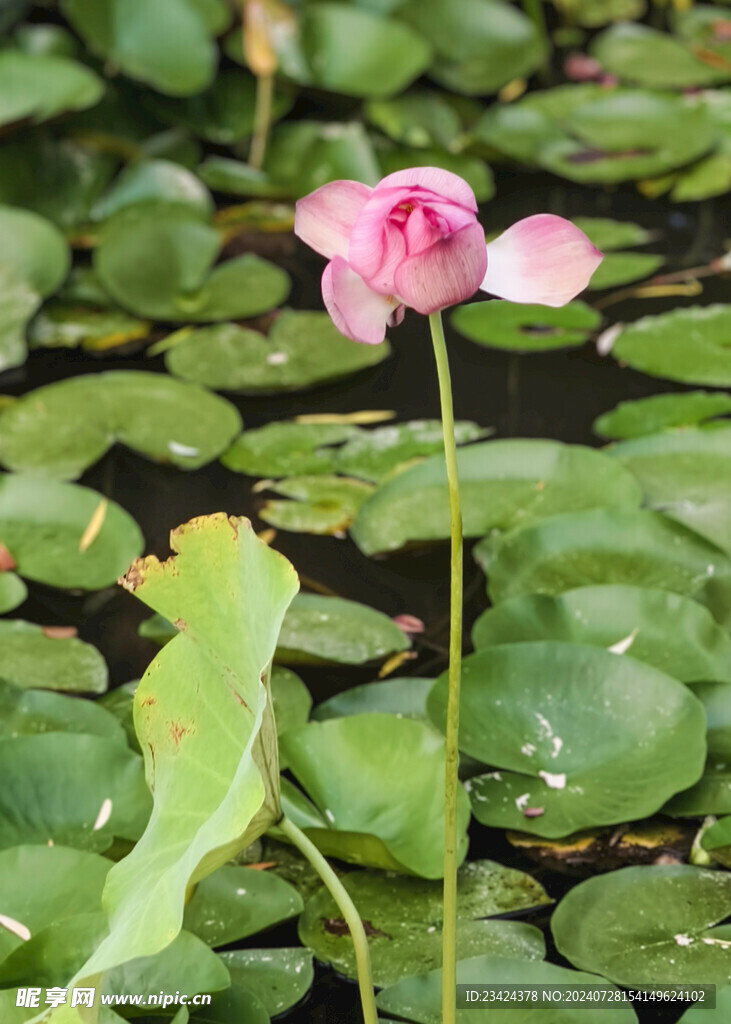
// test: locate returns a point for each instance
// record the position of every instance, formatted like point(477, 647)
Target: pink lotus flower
point(414, 240)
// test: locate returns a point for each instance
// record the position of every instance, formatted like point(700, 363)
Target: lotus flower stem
point(347, 908)
point(451, 777)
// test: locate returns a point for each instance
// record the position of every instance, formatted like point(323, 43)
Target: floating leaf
point(302, 350)
point(404, 920)
point(372, 807)
point(503, 483)
point(403, 697)
point(235, 902)
point(61, 429)
point(645, 56)
point(161, 267)
point(530, 709)
point(669, 632)
point(136, 38)
point(330, 630)
point(287, 449)
point(419, 998)
point(154, 181)
point(55, 788)
point(480, 45)
point(526, 328)
point(36, 87)
point(321, 504)
point(639, 548)
point(279, 978)
point(689, 345)
point(42, 523)
point(649, 926)
point(32, 657)
point(203, 718)
point(660, 412)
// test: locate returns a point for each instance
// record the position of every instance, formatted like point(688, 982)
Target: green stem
point(262, 119)
point(347, 908)
point(451, 777)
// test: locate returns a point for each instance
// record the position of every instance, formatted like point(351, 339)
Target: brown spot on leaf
point(59, 632)
point(338, 926)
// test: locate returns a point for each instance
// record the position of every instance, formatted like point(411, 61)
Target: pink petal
point(445, 274)
point(443, 183)
point(356, 310)
point(325, 218)
point(543, 259)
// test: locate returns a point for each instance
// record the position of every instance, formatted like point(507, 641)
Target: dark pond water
point(552, 395)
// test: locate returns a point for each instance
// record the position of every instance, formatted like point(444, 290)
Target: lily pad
point(418, 999)
point(575, 736)
point(526, 328)
point(137, 39)
point(12, 591)
point(154, 181)
point(504, 484)
point(65, 535)
point(279, 978)
point(645, 56)
point(73, 789)
point(63, 428)
point(480, 45)
point(36, 87)
point(404, 916)
point(669, 632)
point(302, 350)
point(28, 712)
point(287, 449)
point(403, 697)
point(661, 412)
point(375, 454)
point(649, 926)
point(319, 505)
point(373, 808)
point(162, 267)
point(236, 902)
point(331, 630)
point(689, 345)
point(626, 546)
point(34, 657)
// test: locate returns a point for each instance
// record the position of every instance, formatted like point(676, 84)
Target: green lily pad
point(161, 266)
point(320, 504)
point(710, 795)
point(36, 87)
point(58, 178)
point(331, 630)
point(660, 412)
point(279, 978)
point(33, 657)
point(72, 884)
point(18, 303)
point(618, 268)
point(609, 235)
point(419, 998)
point(649, 926)
point(374, 808)
point(47, 526)
point(645, 56)
point(287, 449)
point(526, 328)
point(375, 454)
point(61, 325)
point(12, 591)
point(136, 37)
point(154, 181)
point(480, 45)
point(28, 712)
point(224, 113)
point(403, 697)
point(530, 709)
point(63, 428)
point(685, 474)
point(34, 250)
point(504, 484)
point(405, 914)
point(669, 632)
point(689, 345)
point(640, 548)
point(347, 49)
point(74, 789)
point(235, 902)
point(421, 119)
point(302, 350)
